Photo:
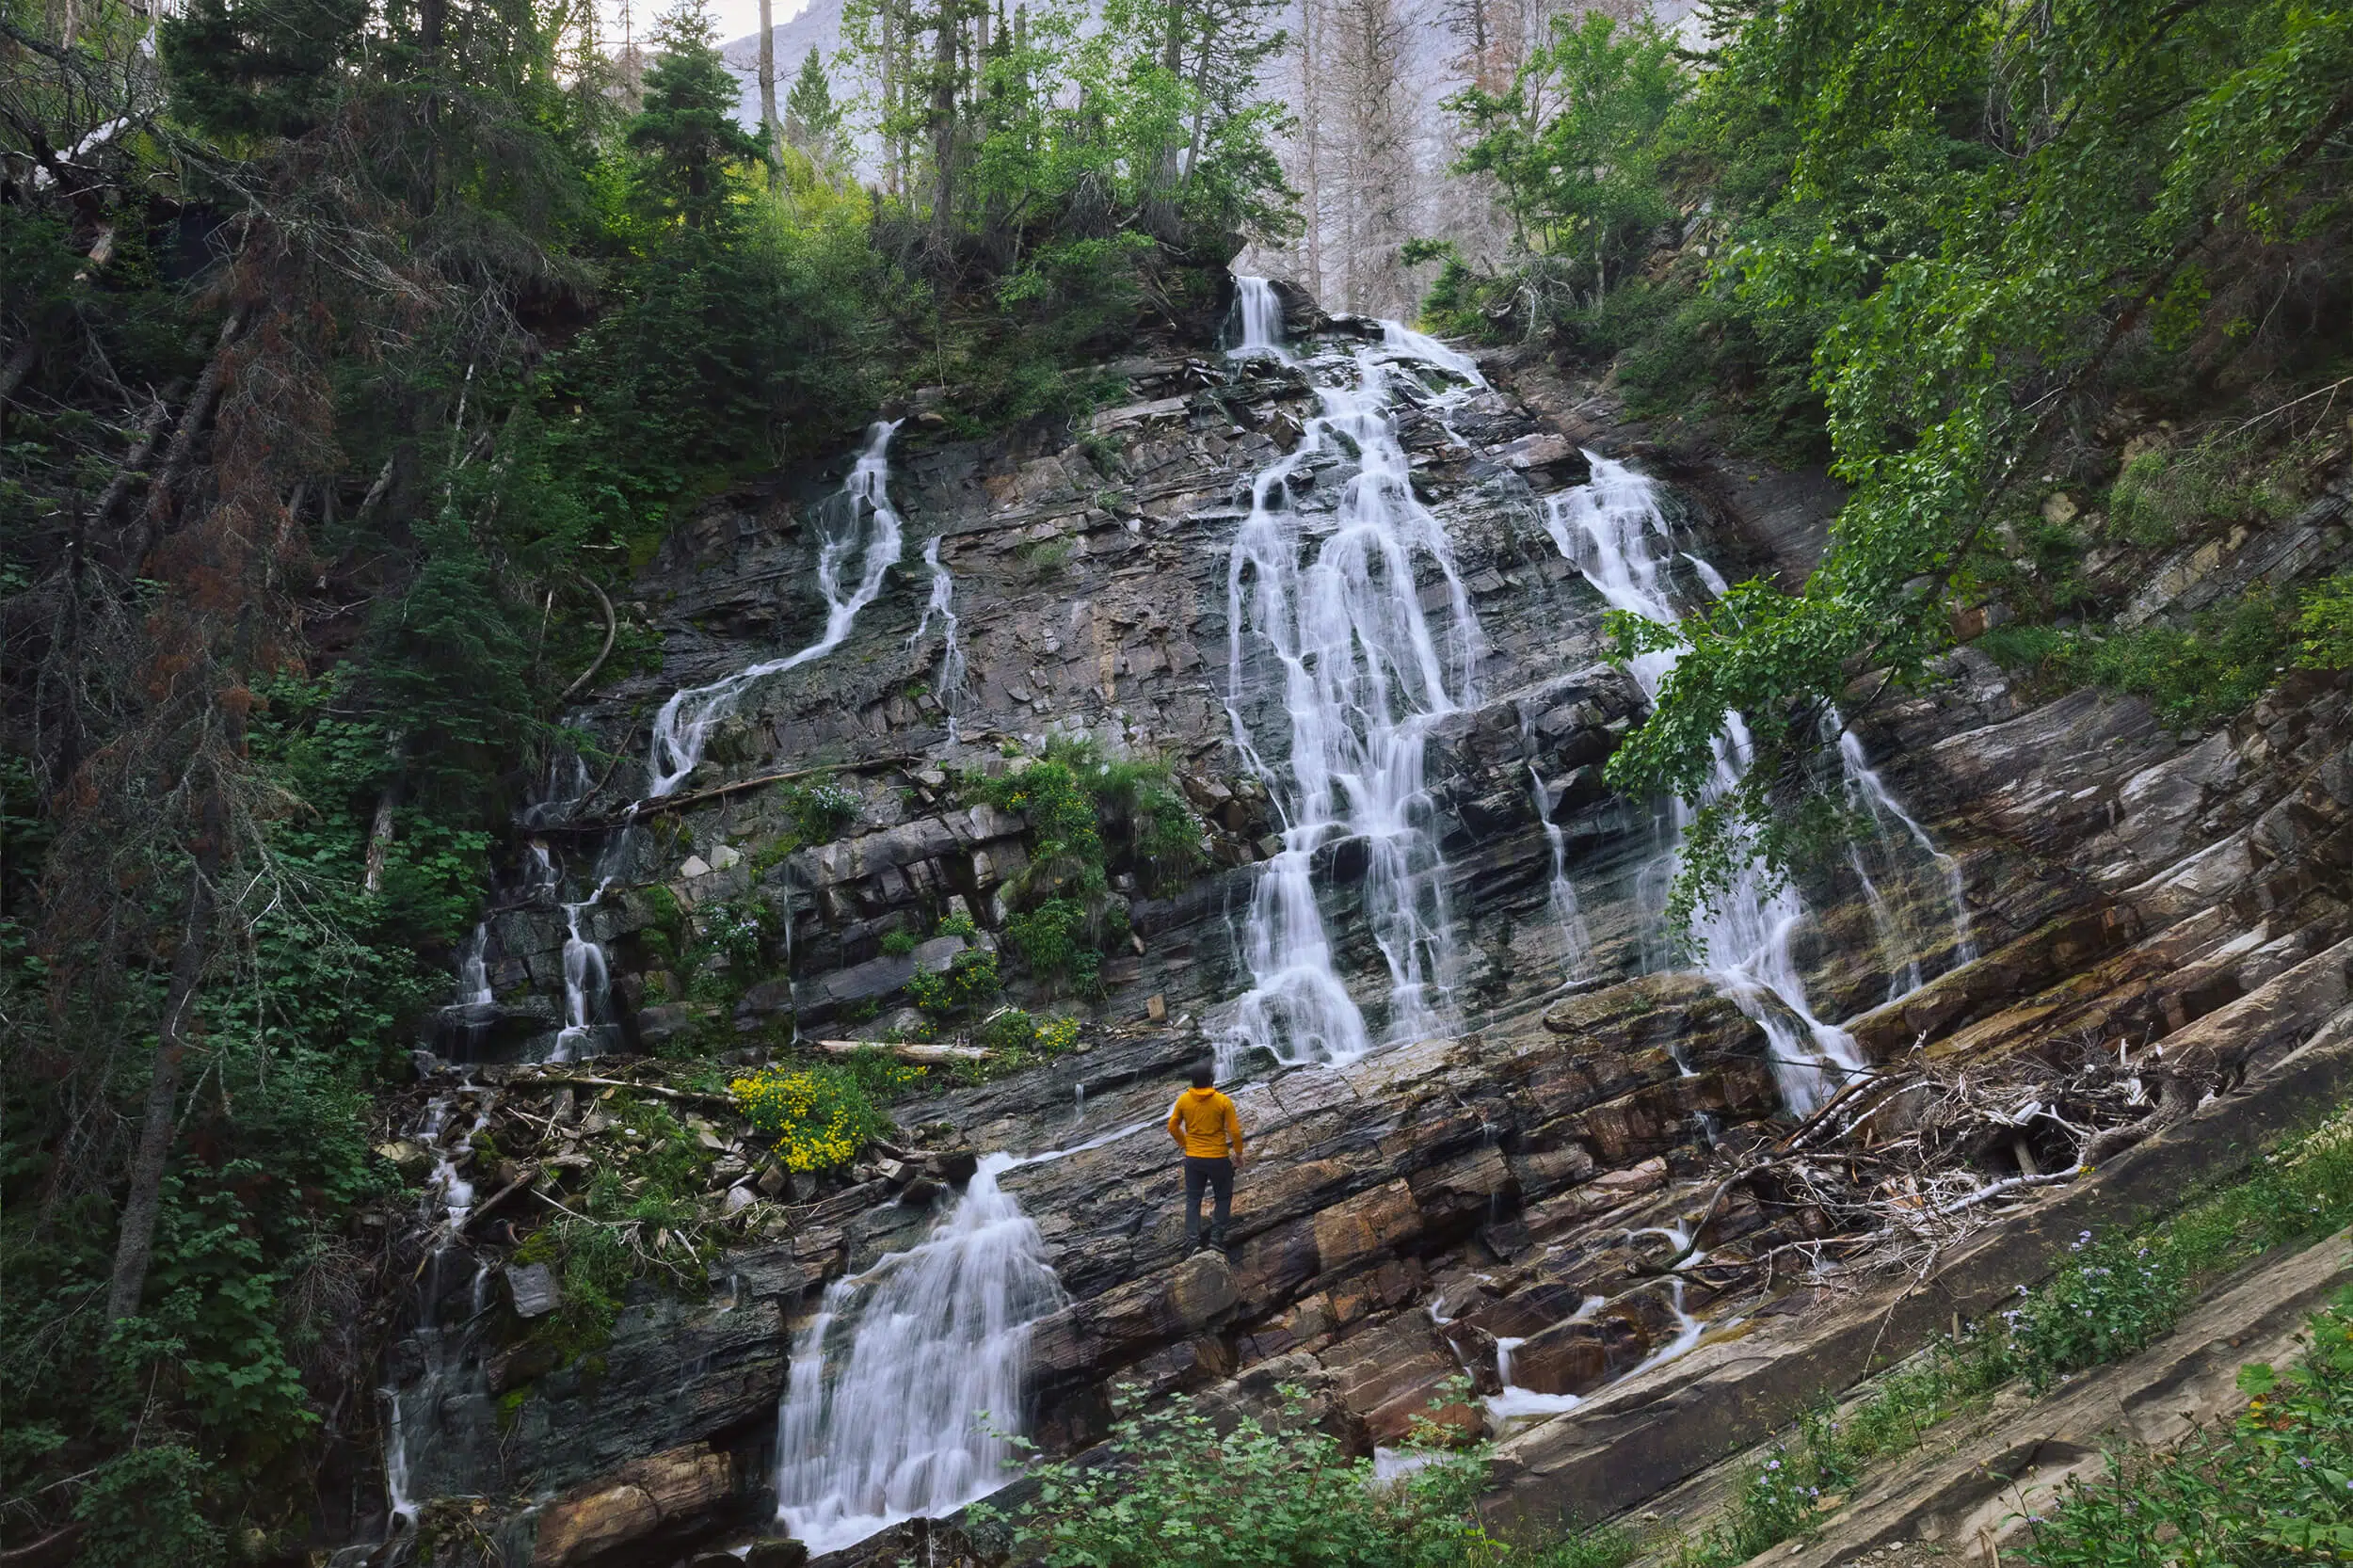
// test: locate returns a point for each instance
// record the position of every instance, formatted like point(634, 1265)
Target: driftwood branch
point(582, 1080)
point(925, 1055)
point(673, 803)
point(612, 625)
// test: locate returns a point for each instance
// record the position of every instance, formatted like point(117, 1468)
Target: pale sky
point(737, 18)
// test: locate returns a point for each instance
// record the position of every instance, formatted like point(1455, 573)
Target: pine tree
point(686, 133)
point(812, 121)
point(265, 68)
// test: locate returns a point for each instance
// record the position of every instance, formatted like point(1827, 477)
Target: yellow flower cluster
point(1056, 1036)
point(813, 1124)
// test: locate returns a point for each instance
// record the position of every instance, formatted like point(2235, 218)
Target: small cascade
point(465, 1020)
point(1260, 310)
point(859, 520)
point(1514, 1401)
point(1688, 1330)
point(951, 653)
point(1576, 943)
point(412, 1411)
point(474, 970)
point(1867, 790)
point(587, 990)
point(1331, 605)
point(1612, 531)
point(897, 1382)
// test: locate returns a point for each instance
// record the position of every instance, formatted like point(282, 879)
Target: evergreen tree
point(812, 121)
point(686, 133)
point(267, 68)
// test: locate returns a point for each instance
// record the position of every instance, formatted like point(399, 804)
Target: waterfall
point(587, 989)
point(442, 1347)
point(860, 515)
point(474, 970)
point(951, 654)
point(1261, 311)
point(1612, 531)
point(910, 1422)
point(1864, 788)
point(1576, 943)
point(1334, 602)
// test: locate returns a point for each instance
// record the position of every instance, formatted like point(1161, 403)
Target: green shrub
point(820, 813)
point(2277, 1487)
point(2227, 658)
point(1177, 1494)
point(957, 923)
point(1049, 938)
point(2325, 624)
point(898, 944)
point(971, 978)
point(145, 1507)
point(818, 1117)
point(2163, 496)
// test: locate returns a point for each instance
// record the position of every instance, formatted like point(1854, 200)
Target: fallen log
point(922, 1055)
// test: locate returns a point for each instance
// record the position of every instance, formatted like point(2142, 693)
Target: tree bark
point(1310, 95)
point(771, 129)
point(181, 455)
point(13, 373)
point(136, 1244)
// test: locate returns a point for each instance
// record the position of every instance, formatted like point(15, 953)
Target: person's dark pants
point(1216, 1176)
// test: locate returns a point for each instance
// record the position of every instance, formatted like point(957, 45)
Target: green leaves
point(1575, 144)
point(2275, 1486)
point(1980, 206)
point(1182, 1491)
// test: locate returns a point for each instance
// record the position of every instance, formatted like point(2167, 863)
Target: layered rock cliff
point(1592, 1208)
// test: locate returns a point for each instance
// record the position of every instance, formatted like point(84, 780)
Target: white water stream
point(941, 603)
point(1576, 943)
point(860, 522)
point(1328, 604)
point(905, 1418)
point(1261, 313)
point(1611, 528)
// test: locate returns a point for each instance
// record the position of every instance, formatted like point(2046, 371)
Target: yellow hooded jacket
point(1203, 1120)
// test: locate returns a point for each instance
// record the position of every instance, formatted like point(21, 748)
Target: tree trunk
point(771, 129)
point(181, 455)
point(12, 374)
point(943, 118)
point(136, 1244)
point(1310, 94)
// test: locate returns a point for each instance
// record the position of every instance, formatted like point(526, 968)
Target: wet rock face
point(1542, 1184)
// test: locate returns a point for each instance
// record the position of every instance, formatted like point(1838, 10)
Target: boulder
point(672, 1492)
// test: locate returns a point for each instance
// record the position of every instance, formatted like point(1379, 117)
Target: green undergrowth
point(1179, 1487)
point(2275, 1486)
point(2193, 676)
point(2111, 1299)
point(636, 1218)
point(1089, 815)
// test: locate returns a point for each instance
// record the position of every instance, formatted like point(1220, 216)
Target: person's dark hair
point(1204, 1075)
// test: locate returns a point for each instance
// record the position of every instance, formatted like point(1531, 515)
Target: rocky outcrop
point(1570, 1166)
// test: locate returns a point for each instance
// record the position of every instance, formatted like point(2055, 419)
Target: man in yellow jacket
point(1205, 1126)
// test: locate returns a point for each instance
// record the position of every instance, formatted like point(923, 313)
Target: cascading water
point(1867, 790)
point(588, 989)
point(909, 1422)
point(474, 970)
point(1332, 603)
point(1576, 943)
point(1261, 311)
point(1611, 528)
point(860, 517)
point(412, 1413)
point(951, 653)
